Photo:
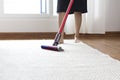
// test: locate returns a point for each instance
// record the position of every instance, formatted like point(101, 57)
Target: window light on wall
point(29, 6)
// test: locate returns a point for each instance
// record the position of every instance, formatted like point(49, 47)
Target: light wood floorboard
point(107, 45)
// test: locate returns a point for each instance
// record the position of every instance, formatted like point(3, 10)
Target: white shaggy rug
point(25, 60)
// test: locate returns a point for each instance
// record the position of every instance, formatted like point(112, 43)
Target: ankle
point(61, 41)
point(76, 36)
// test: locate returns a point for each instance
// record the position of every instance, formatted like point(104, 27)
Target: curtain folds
point(93, 22)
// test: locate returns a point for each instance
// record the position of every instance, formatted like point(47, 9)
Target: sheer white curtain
point(93, 22)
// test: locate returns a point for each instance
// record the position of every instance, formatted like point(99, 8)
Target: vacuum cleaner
point(58, 35)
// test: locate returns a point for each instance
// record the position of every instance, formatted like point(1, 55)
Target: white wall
point(38, 24)
point(112, 15)
point(26, 23)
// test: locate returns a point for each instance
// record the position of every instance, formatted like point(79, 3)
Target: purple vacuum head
point(53, 48)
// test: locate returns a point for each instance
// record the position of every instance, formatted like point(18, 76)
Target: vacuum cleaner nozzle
point(53, 48)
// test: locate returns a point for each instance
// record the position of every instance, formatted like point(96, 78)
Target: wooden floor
point(108, 43)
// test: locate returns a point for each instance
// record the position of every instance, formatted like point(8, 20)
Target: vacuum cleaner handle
point(58, 35)
point(65, 17)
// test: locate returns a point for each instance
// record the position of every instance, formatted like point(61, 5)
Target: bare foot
point(77, 40)
point(61, 41)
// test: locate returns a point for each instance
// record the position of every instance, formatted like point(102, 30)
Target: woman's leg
point(61, 16)
point(78, 20)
